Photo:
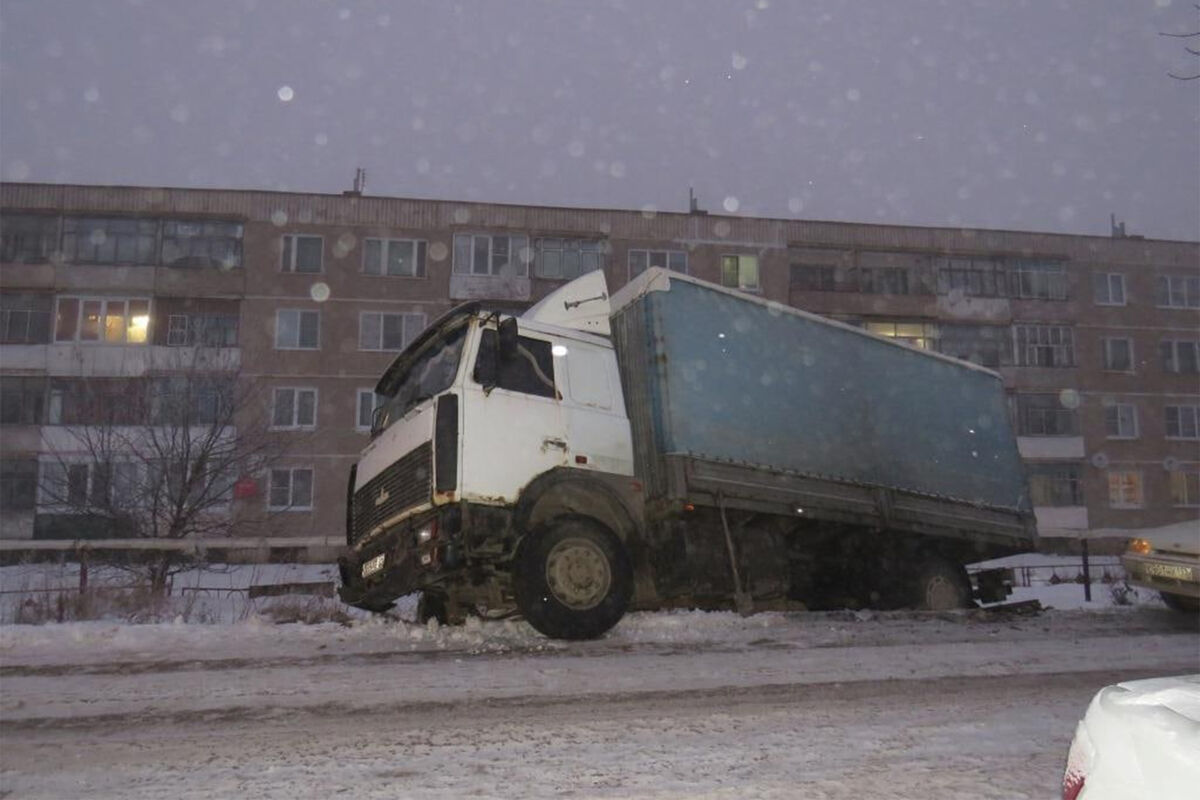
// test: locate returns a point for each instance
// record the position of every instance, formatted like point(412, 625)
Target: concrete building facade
point(310, 296)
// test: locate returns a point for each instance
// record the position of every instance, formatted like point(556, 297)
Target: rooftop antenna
point(693, 203)
point(1118, 228)
point(360, 183)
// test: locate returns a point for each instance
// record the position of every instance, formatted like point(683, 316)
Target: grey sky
point(1034, 115)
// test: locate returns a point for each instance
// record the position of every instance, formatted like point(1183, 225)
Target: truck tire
point(1179, 602)
point(940, 585)
point(431, 606)
point(573, 579)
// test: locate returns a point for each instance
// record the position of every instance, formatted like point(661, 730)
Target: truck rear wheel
point(1180, 602)
point(940, 585)
point(573, 579)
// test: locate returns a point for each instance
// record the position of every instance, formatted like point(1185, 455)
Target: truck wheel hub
point(577, 573)
point(941, 594)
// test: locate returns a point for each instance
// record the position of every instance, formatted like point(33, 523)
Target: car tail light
point(1072, 786)
point(1079, 761)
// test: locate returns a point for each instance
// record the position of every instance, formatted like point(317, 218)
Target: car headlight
point(1139, 546)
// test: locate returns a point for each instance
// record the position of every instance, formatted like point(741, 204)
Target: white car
point(1167, 559)
point(1140, 740)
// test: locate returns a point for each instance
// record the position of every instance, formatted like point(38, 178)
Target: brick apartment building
point(309, 296)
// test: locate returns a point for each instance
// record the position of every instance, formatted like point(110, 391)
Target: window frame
point(1108, 284)
point(736, 261)
point(104, 300)
point(1133, 420)
point(299, 328)
point(1172, 364)
point(419, 255)
point(1165, 291)
point(1107, 361)
point(17, 235)
point(1022, 350)
point(650, 255)
point(291, 488)
point(296, 423)
point(1189, 476)
point(926, 340)
point(404, 329)
point(1119, 501)
point(288, 244)
point(1061, 477)
point(378, 402)
point(584, 249)
point(1046, 408)
point(513, 251)
point(76, 235)
point(1181, 436)
point(229, 245)
point(1034, 279)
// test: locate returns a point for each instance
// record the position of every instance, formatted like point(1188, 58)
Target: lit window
point(917, 334)
point(740, 272)
point(1125, 489)
point(102, 319)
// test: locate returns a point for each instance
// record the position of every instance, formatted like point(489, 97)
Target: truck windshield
point(431, 372)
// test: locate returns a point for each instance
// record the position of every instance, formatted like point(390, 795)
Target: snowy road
point(669, 706)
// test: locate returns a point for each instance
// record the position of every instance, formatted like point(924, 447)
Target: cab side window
point(530, 371)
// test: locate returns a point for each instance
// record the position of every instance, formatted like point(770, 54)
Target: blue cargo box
point(720, 376)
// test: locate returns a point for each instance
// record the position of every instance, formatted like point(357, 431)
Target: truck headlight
point(427, 533)
point(1139, 546)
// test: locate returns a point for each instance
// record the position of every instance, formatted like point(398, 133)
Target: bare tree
point(158, 457)
point(1193, 74)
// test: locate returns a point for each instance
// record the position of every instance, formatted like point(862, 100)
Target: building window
point(368, 401)
point(297, 330)
point(388, 331)
point(1044, 415)
point(1055, 484)
point(404, 258)
point(1185, 487)
point(291, 489)
point(1183, 422)
point(18, 484)
point(740, 272)
point(1180, 357)
point(109, 240)
point(206, 330)
point(188, 401)
point(1178, 291)
point(302, 253)
point(641, 260)
point(1120, 421)
point(64, 484)
point(28, 238)
point(566, 258)
point(1044, 345)
point(1125, 489)
point(917, 334)
point(974, 277)
point(987, 345)
point(1039, 280)
point(1108, 288)
point(485, 254)
point(294, 408)
point(1118, 354)
point(202, 244)
point(806, 278)
point(25, 318)
point(883, 280)
point(22, 400)
point(108, 320)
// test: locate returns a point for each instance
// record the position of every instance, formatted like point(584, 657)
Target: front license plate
point(372, 566)
point(1168, 571)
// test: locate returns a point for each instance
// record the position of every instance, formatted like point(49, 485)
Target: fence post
point(1087, 575)
point(83, 570)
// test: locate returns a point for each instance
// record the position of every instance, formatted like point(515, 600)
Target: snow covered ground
point(668, 705)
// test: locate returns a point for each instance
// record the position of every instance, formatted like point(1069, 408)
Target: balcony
point(1046, 448)
point(118, 361)
point(1061, 521)
point(490, 287)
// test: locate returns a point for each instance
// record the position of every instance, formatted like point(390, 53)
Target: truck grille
point(402, 485)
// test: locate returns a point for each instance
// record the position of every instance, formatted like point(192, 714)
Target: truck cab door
point(513, 427)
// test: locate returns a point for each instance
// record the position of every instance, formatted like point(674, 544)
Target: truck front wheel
point(940, 585)
point(573, 579)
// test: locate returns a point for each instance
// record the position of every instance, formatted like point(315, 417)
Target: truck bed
point(768, 404)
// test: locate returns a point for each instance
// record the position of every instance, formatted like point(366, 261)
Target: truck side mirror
point(508, 339)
